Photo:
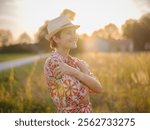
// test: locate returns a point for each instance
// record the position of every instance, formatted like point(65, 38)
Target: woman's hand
point(83, 76)
point(63, 68)
point(83, 66)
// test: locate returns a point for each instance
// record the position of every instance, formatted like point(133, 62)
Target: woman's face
point(68, 38)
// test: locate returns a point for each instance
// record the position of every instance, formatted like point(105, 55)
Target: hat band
point(67, 24)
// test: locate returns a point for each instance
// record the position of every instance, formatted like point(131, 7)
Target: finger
point(84, 63)
point(59, 75)
point(56, 72)
point(78, 61)
point(56, 68)
point(60, 63)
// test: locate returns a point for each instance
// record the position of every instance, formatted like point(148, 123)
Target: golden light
point(91, 15)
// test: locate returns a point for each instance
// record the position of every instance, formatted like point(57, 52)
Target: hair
point(53, 44)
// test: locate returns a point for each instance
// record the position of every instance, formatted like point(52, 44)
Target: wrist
point(78, 74)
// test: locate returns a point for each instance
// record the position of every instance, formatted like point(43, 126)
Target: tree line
point(136, 30)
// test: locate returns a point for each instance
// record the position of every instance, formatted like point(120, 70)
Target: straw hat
point(58, 24)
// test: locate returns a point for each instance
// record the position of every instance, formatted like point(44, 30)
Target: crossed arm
point(82, 75)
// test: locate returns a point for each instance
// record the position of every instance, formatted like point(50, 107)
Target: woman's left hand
point(63, 68)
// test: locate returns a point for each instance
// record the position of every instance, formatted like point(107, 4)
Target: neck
point(63, 52)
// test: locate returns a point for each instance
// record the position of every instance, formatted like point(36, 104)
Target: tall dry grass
point(125, 79)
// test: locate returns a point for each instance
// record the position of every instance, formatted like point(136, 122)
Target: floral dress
point(67, 92)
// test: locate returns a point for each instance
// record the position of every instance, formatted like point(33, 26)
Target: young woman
point(69, 79)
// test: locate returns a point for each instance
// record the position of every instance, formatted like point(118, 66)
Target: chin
point(73, 47)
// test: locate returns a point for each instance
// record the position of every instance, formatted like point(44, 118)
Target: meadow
point(6, 57)
point(125, 78)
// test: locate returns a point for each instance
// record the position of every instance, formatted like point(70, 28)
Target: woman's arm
point(84, 67)
point(91, 82)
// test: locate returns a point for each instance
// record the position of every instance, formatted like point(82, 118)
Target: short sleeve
point(48, 69)
point(51, 81)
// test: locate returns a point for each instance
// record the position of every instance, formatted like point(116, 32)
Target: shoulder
point(52, 61)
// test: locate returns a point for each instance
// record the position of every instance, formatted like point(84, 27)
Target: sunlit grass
point(23, 89)
point(6, 57)
point(125, 79)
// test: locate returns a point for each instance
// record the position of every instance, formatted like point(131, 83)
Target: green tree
point(40, 38)
point(6, 37)
point(109, 32)
point(128, 28)
point(138, 31)
point(24, 38)
point(145, 28)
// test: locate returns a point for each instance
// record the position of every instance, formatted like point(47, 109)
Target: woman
point(68, 78)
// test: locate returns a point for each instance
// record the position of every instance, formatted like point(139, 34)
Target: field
point(6, 57)
point(125, 79)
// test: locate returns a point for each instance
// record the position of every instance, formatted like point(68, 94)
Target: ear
point(56, 39)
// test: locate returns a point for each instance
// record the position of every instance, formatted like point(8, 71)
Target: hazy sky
point(28, 15)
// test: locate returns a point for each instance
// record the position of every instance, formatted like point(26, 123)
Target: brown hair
point(53, 44)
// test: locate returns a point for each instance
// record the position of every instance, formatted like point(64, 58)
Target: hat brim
point(48, 36)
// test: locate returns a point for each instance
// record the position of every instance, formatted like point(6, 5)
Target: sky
point(28, 15)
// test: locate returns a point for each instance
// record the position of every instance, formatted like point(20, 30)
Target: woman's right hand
point(63, 68)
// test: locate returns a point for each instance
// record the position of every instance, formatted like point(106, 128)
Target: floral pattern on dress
point(66, 92)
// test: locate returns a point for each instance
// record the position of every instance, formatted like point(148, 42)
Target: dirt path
point(14, 63)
